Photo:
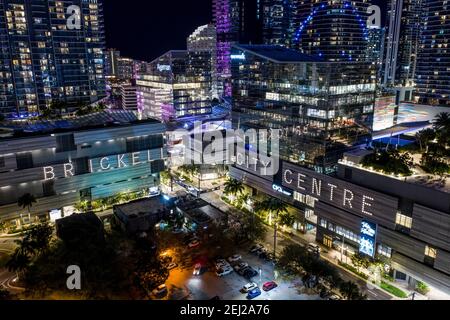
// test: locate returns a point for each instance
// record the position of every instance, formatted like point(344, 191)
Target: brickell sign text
point(119, 161)
point(333, 191)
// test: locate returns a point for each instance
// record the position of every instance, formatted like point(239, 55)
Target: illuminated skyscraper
point(237, 21)
point(43, 60)
point(335, 30)
point(402, 42)
point(433, 66)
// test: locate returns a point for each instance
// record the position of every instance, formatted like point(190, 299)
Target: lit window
point(384, 251)
point(403, 221)
point(430, 252)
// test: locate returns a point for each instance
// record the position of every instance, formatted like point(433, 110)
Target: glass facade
point(177, 85)
point(322, 108)
point(42, 60)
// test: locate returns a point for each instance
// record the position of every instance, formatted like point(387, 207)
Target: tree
point(26, 201)
point(424, 138)
point(275, 208)
point(19, 262)
point(233, 187)
point(38, 238)
point(442, 121)
point(360, 261)
point(351, 291)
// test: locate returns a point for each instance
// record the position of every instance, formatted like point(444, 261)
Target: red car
point(269, 286)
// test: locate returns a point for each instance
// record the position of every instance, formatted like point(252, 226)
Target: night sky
point(145, 29)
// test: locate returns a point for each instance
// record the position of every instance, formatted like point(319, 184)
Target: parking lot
point(182, 284)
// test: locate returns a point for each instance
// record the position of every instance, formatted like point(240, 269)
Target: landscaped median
point(393, 290)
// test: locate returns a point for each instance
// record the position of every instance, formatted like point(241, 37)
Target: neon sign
point(238, 56)
point(279, 189)
point(368, 238)
point(163, 67)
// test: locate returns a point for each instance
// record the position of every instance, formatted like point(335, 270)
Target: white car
point(249, 287)
point(160, 291)
point(224, 271)
point(234, 258)
point(221, 263)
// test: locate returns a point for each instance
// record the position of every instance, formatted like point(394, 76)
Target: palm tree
point(442, 121)
point(424, 138)
point(18, 262)
point(233, 187)
point(26, 201)
point(276, 208)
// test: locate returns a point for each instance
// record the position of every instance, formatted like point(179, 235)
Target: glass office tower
point(177, 85)
point(322, 108)
point(42, 60)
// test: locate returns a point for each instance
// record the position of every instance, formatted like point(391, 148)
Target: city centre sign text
point(336, 192)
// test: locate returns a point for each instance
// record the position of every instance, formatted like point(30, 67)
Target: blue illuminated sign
point(279, 189)
point(368, 238)
point(238, 56)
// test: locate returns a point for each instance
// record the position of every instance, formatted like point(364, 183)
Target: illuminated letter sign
point(368, 238)
point(279, 189)
point(238, 56)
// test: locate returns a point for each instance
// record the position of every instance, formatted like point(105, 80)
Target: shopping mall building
point(404, 223)
point(62, 163)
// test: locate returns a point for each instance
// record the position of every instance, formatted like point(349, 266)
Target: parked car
point(234, 258)
point(334, 297)
point(249, 287)
point(261, 251)
point(255, 248)
point(253, 294)
point(171, 266)
point(221, 263)
point(160, 291)
point(224, 271)
point(268, 286)
point(242, 271)
point(250, 273)
point(313, 248)
point(198, 268)
point(240, 266)
point(194, 244)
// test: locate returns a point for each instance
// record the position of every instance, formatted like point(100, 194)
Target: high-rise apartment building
point(43, 58)
point(333, 29)
point(402, 43)
point(433, 71)
point(204, 39)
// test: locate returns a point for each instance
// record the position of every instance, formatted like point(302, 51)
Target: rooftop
point(142, 207)
point(419, 176)
point(279, 54)
point(99, 120)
